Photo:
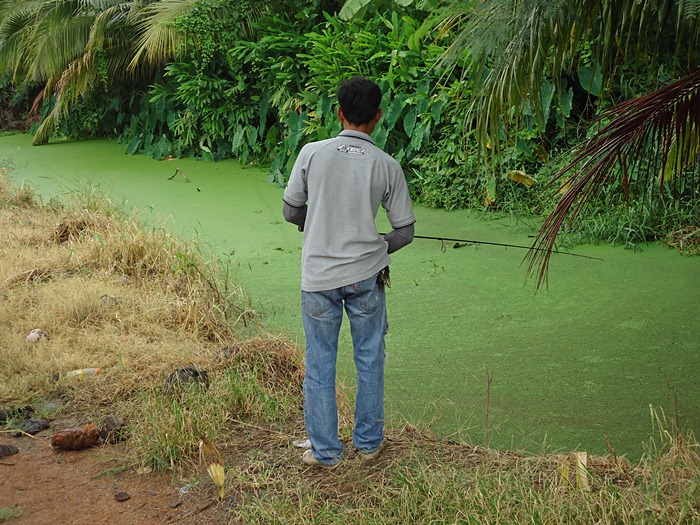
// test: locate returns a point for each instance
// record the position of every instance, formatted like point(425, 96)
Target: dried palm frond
point(656, 136)
point(211, 457)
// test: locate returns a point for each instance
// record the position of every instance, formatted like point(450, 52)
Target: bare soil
point(83, 487)
point(89, 486)
point(53, 486)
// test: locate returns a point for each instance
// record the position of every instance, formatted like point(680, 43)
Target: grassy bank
point(140, 304)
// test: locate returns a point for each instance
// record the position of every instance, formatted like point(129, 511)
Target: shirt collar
point(356, 134)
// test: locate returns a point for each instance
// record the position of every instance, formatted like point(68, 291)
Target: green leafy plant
point(391, 48)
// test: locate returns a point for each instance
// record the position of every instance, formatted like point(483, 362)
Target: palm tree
point(70, 46)
point(518, 44)
point(74, 47)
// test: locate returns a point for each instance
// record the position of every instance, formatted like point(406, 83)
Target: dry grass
point(422, 479)
point(686, 240)
point(109, 294)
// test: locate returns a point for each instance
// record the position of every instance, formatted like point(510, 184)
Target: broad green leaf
point(523, 147)
point(560, 122)
point(547, 94)
point(380, 137)
point(591, 81)
point(352, 8)
point(394, 112)
point(420, 132)
point(272, 136)
point(252, 134)
point(161, 149)
point(237, 139)
point(295, 130)
point(134, 145)
point(409, 121)
point(567, 98)
point(436, 110)
point(423, 103)
point(414, 42)
point(324, 107)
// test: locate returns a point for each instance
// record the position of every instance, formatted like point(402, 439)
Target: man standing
point(333, 195)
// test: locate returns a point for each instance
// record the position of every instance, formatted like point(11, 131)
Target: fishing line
point(467, 242)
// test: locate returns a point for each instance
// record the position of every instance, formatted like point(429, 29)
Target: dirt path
point(81, 487)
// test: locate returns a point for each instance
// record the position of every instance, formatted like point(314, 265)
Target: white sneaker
point(367, 456)
point(309, 459)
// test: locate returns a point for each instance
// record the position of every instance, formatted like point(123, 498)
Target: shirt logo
point(352, 149)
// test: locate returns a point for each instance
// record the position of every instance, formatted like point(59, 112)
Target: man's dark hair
point(359, 98)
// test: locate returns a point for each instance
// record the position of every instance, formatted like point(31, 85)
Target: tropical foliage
point(484, 99)
point(72, 48)
point(525, 52)
point(653, 137)
point(522, 52)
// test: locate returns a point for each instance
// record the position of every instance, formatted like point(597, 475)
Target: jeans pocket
point(369, 296)
point(315, 303)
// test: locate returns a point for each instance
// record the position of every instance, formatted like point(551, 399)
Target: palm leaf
point(58, 39)
point(158, 41)
point(512, 46)
point(73, 82)
point(658, 133)
point(106, 34)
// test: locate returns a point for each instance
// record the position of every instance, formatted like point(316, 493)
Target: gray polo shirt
point(343, 181)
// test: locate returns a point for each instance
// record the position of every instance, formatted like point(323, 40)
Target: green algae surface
point(573, 366)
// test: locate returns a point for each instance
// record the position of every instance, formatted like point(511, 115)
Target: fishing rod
point(467, 242)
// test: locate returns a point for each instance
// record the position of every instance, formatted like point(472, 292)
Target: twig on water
point(178, 170)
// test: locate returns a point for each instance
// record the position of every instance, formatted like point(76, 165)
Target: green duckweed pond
point(574, 367)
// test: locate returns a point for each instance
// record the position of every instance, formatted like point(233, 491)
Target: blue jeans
point(322, 312)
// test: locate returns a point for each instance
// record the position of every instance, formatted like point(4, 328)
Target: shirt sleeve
point(296, 192)
point(397, 201)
